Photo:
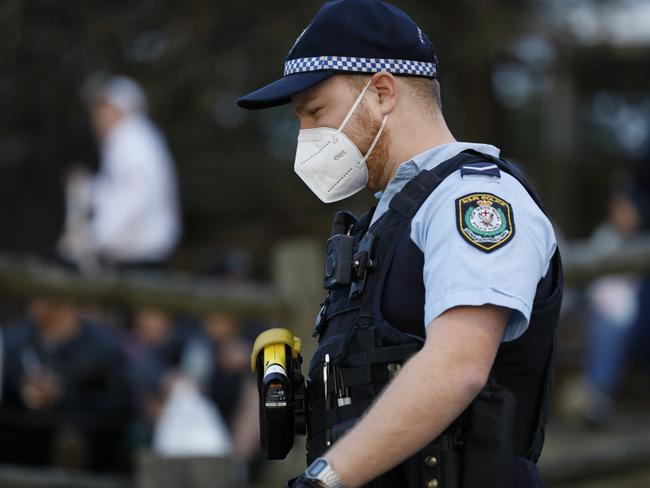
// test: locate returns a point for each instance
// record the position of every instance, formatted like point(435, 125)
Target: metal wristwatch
point(321, 472)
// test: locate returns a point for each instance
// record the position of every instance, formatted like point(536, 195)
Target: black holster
point(488, 440)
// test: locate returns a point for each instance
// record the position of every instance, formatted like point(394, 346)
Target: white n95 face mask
point(329, 163)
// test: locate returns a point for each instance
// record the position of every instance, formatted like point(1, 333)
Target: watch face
point(316, 468)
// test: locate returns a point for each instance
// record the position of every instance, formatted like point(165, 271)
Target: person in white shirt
point(128, 214)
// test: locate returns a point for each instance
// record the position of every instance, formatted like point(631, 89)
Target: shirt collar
point(428, 159)
point(431, 158)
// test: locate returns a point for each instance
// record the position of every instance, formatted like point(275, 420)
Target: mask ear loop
point(354, 107)
point(376, 139)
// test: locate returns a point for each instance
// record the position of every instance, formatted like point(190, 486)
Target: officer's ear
point(384, 85)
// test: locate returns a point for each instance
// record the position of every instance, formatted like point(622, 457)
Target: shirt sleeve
point(485, 241)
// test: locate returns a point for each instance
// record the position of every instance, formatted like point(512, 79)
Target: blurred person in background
point(218, 357)
point(154, 348)
point(66, 398)
point(640, 196)
point(175, 362)
point(126, 216)
point(231, 386)
point(618, 316)
point(610, 318)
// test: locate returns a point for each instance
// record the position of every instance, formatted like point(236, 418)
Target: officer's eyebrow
point(301, 106)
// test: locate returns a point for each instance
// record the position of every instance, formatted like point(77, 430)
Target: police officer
point(435, 343)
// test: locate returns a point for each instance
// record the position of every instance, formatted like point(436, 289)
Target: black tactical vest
point(366, 331)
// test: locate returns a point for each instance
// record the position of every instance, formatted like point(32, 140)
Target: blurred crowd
point(86, 388)
point(84, 392)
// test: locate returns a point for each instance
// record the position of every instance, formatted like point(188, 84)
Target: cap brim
point(280, 91)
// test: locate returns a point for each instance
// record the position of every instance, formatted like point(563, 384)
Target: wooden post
point(298, 278)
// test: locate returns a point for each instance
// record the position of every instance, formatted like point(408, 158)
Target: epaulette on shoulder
point(483, 169)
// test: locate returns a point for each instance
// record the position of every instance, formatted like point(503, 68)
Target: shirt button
point(431, 461)
point(432, 483)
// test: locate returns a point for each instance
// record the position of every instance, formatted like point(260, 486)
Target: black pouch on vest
point(488, 449)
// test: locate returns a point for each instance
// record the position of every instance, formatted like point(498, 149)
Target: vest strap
point(407, 202)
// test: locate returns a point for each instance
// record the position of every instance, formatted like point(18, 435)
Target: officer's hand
point(301, 482)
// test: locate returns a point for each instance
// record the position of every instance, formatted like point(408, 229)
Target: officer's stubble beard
point(363, 131)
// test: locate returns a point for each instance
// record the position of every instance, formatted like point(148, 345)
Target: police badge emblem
point(485, 221)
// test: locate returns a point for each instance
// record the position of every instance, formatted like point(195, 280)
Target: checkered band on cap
point(360, 65)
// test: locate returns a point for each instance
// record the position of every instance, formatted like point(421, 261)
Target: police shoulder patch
point(485, 221)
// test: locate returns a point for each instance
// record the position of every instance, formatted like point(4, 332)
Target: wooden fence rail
point(23, 276)
point(26, 277)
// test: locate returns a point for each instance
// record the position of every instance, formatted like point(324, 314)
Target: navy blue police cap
point(349, 36)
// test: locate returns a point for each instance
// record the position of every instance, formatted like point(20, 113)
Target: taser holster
point(276, 359)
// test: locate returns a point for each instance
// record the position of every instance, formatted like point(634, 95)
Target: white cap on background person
point(120, 91)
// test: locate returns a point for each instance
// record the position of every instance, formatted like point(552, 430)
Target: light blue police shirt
point(457, 273)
